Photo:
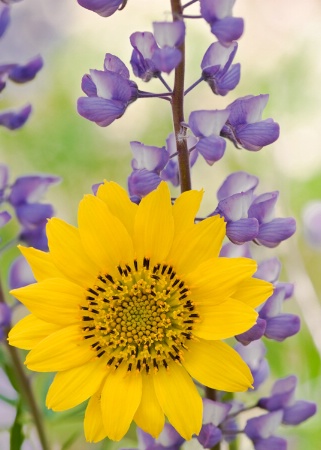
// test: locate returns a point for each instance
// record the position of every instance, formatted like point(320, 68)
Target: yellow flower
point(133, 304)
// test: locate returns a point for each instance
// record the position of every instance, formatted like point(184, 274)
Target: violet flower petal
point(300, 411)
point(148, 157)
point(254, 333)
point(263, 426)
point(212, 148)
point(88, 86)
point(215, 412)
point(15, 119)
point(100, 110)
point(311, 217)
point(104, 8)
point(209, 435)
point(111, 86)
point(228, 29)
point(227, 82)
point(235, 183)
point(254, 136)
point(142, 182)
point(4, 19)
point(166, 59)
point(114, 64)
point(282, 394)
point(4, 218)
point(236, 207)
point(169, 34)
point(20, 273)
point(276, 231)
point(242, 230)
point(262, 207)
point(34, 215)
point(30, 188)
point(268, 270)
point(36, 238)
point(282, 327)
point(26, 72)
point(272, 442)
point(205, 123)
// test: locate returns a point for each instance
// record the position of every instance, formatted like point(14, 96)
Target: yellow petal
point(185, 209)
point(41, 263)
point(55, 300)
point(217, 279)
point(120, 398)
point(154, 225)
point(197, 244)
point(253, 291)
point(179, 399)
point(103, 236)
point(119, 204)
point(93, 423)
point(217, 366)
point(149, 415)
point(29, 331)
point(224, 320)
point(62, 350)
point(74, 386)
point(68, 253)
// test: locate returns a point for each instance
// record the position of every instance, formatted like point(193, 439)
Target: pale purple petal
point(30, 188)
point(169, 34)
point(253, 334)
point(100, 110)
point(235, 183)
point(299, 412)
point(111, 86)
point(247, 109)
point(273, 305)
point(4, 218)
point(212, 148)
point(166, 59)
point(5, 319)
point(312, 223)
point(144, 42)
point(88, 86)
point(236, 206)
point(282, 394)
point(282, 327)
point(36, 238)
point(263, 207)
point(226, 83)
point(26, 72)
point(34, 215)
point(104, 8)
point(170, 173)
point(113, 64)
point(216, 9)
point(142, 182)
point(148, 157)
point(4, 19)
point(276, 231)
point(215, 412)
point(242, 230)
point(254, 136)
point(269, 270)
point(169, 437)
point(209, 435)
point(20, 274)
point(204, 123)
point(231, 250)
point(228, 29)
point(262, 427)
point(272, 442)
point(218, 55)
point(15, 119)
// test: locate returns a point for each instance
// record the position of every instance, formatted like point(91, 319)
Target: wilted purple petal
point(204, 123)
point(104, 8)
point(212, 148)
point(262, 427)
point(299, 412)
point(4, 19)
point(209, 435)
point(4, 218)
point(166, 59)
point(142, 182)
point(100, 110)
point(114, 64)
point(30, 188)
point(20, 274)
point(263, 207)
point(169, 34)
point(34, 215)
point(148, 157)
point(276, 231)
point(254, 333)
point(272, 442)
point(235, 183)
point(268, 270)
point(15, 119)
point(26, 72)
point(242, 230)
point(254, 136)
point(282, 327)
point(228, 29)
point(312, 223)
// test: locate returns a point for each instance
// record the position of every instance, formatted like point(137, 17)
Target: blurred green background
point(278, 54)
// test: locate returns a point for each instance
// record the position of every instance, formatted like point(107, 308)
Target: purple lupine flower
point(254, 333)
point(20, 273)
point(311, 217)
point(15, 119)
point(148, 157)
point(231, 250)
point(206, 126)
point(218, 13)
point(104, 8)
point(141, 182)
point(169, 439)
point(254, 356)
point(21, 73)
point(4, 218)
point(171, 171)
point(217, 68)
point(261, 429)
point(214, 413)
point(141, 60)
point(4, 19)
point(283, 398)
point(245, 127)
point(109, 92)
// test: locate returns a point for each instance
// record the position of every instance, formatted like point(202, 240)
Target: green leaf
point(16, 435)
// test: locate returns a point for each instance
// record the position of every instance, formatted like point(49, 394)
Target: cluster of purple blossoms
point(18, 73)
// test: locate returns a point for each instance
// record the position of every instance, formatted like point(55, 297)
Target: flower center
point(143, 319)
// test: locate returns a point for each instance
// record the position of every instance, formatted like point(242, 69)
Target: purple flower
point(312, 223)
point(218, 13)
point(217, 70)
point(104, 8)
point(109, 92)
point(245, 127)
point(21, 73)
point(20, 274)
point(5, 319)
point(141, 60)
point(148, 157)
point(4, 19)
point(254, 356)
point(283, 398)
point(169, 439)
point(142, 181)
point(206, 125)
point(15, 119)
point(261, 429)
point(214, 413)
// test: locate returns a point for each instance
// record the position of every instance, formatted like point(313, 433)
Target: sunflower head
point(133, 305)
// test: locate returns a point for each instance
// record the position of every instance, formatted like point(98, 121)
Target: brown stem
point(24, 384)
point(178, 110)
